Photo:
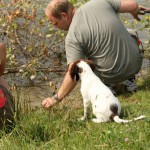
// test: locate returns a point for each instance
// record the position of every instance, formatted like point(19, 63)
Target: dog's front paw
point(83, 118)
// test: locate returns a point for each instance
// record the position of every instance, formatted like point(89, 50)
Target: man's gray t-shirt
point(97, 33)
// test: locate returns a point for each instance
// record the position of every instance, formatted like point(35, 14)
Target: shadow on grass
point(121, 90)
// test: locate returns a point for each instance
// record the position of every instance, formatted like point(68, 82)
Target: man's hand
point(49, 102)
point(140, 11)
point(66, 87)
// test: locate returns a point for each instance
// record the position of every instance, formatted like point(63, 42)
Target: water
point(35, 94)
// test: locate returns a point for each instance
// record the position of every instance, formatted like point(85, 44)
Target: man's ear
point(74, 70)
point(63, 14)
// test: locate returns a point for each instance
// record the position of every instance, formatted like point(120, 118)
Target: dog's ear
point(75, 70)
point(90, 63)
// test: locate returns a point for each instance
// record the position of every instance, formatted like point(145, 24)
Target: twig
point(17, 70)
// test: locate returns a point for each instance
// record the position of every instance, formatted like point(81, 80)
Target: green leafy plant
point(30, 39)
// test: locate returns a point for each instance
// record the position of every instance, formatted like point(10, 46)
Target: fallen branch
point(18, 70)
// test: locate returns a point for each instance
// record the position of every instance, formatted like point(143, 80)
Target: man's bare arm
point(66, 87)
point(132, 7)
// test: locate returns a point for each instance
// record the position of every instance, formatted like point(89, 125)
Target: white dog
point(105, 105)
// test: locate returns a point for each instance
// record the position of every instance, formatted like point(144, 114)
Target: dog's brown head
point(75, 69)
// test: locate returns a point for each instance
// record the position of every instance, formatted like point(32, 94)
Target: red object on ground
point(139, 42)
point(2, 99)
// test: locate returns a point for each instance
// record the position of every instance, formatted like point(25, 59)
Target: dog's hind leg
point(86, 104)
point(100, 117)
point(98, 120)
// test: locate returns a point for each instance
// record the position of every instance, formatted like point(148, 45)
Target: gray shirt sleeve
point(74, 51)
point(116, 4)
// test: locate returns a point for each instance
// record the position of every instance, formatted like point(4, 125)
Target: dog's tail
point(119, 120)
point(115, 117)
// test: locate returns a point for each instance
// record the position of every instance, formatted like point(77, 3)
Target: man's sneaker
point(130, 85)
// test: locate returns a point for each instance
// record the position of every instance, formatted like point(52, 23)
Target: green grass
point(60, 129)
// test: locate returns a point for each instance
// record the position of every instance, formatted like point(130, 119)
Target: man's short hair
point(59, 7)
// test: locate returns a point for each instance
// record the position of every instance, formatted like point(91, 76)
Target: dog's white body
point(100, 96)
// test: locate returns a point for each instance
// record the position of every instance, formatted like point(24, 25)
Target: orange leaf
point(9, 17)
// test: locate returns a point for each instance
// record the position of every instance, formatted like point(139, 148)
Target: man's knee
point(2, 46)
